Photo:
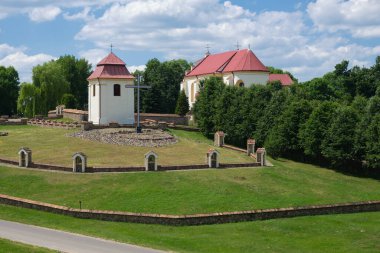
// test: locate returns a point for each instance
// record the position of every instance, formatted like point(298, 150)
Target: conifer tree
point(182, 104)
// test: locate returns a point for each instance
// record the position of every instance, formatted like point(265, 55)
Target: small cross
point(237, 45)
point(208, 48)
point(111, 47)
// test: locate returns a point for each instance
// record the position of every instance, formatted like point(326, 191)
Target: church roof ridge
point(111, 59)
point(229, 61)
point(111, 67)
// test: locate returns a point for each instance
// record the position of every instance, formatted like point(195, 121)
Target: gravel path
point(128, 137)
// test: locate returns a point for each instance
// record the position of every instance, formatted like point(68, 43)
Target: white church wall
point(250, 78)
point(93, 110)
point(118, 109)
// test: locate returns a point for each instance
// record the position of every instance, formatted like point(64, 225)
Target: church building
point(238, 67)
point(109, 98)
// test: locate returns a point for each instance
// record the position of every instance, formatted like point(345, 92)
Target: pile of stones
point(3, 134)
point(128, 137)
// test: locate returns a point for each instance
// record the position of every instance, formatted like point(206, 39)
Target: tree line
point(333, 120)
point(64, 81)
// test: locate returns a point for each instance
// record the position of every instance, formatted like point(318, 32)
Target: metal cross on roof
point(138, 87)
point(111, 47)
point(237, 45)
point(208, 48)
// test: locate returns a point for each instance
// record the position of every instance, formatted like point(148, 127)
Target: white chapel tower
point(109, 99)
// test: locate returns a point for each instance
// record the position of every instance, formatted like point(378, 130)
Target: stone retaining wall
point(131, 168)
point(168, 118)
point(195, 219)
point(52, 123)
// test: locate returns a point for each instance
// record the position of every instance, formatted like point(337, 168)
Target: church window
point(93, 90)
point(240, 83)
point(116, 89)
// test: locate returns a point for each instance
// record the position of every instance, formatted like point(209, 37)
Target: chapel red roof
point(283, 78)
point(231, 61)
point(111, 67)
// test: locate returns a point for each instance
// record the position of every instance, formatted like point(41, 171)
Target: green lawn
point(186, 192)
point(7, 246)
point(333, 233)
point(51, 146)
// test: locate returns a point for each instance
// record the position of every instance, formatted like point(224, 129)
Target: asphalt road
point(64, 241)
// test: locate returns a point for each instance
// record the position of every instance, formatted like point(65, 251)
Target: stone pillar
point(250, 146)
point(261, 156)
point(212, 157)
point(25, 157)
point(150, 161)
point(79, 162)
point(219, 139)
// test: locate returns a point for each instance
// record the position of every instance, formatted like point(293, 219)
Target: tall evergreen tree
point(182, 104)
point(9, 88)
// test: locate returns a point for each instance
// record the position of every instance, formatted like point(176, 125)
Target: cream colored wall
point(93, 102)
point(250, 78)
point(118, 109)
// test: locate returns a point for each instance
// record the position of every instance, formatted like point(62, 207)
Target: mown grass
point(7, 246)
point(52, 146)
point(186, 192)
point(332, 233)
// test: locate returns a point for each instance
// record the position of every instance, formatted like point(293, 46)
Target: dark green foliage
point(182, 104)
point(373, 143)
point(314, 131)
point(9, 88)
point(165, 79)
point(205, 108)
point(76, 72)
point(331, 120)
point(69, 100)
point(270, 116)
point(338, 146)
point(283, 138)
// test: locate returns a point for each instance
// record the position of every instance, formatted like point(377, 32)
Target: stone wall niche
point(79, 162)
point(25, 157)
point(151, 161)
point(213, 158)
point(219, 138)
point(250, 146)
point(261, 156)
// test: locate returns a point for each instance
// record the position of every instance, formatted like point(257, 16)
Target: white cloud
point(43, 14)
point(84, 15)
point(358, 17)
point(46, 10)
point(23, 63)
point(93, 56)
point(133, 68)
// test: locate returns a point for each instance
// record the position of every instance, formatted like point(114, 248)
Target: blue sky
point(306, 38)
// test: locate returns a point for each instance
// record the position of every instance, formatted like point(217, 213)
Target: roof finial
point(237, 45)
point(111, 47)
point(249, 46)
point(208, 49)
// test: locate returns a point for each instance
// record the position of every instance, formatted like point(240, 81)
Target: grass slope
point(334, 233)
point(50, 145)
point(185, 192)
point(7, 246)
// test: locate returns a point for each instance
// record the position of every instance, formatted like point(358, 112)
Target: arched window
point(116, 89)
point(240, 83)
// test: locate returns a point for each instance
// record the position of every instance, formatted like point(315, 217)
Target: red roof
point(231, 61)
point(111, 67)
point(283, 78)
